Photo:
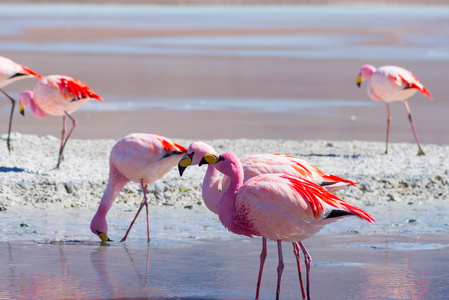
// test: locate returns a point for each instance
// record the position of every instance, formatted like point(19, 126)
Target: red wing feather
point(31, 72)
point(415, 84)
point(77, 90)
point(313, 194)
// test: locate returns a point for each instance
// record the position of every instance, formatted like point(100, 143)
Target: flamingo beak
point(22, 110)
point(210, 159)
point(104, 237)
point(358, 81)
point(185, 161)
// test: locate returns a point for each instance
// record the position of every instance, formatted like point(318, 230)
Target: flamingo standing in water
point(11, 71)
point(255, 165)
point(279, 207)
point(389, 84)
point(57, 95)
point(139, 157)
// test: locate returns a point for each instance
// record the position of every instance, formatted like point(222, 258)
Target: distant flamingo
point(9, 72)
point(389, 84)
point(139, 157)
point(57, 95)
point(279, 207)
point(255, 165)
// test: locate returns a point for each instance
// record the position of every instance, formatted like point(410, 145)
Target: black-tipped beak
point(210, 159)
point(104, 237)
point(359, 80)
point(185, 161)
point(22, 110)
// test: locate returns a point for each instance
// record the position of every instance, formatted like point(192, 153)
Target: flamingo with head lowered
point(57, 95)
point(390, 84)
point(279, 207)
point(254, 165)
point(139, 157)
point(11, 71)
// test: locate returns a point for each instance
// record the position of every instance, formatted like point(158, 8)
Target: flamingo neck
point(27, 98)
point(227, 204)
point(210, 191)
point(115, 184)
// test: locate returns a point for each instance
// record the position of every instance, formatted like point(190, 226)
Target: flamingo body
point(57, 95)
point(138, 157)
point(279, 207)
point(287, 208)
point(390, 84)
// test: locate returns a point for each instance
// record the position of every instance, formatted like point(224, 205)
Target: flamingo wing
point(322, 202)
point(277, 163)
point(75, 90)
point(405, 79)
point(170, 147)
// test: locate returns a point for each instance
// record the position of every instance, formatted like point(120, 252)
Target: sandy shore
point(401, 176)
point(398, 187)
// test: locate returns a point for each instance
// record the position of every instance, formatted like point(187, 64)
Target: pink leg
point(308, 262)
point(388, 126)
point(144, 202)
point(64, 142)
point(297, 252)
point(13, 104)
point(263, 255)
point(280, 269)
point(420, 151)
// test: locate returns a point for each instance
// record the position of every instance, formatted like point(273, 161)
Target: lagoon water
point(246, 60)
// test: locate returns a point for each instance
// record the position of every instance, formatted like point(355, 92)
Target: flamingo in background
point(9, 72)
point(254, 165)
point(389, 84)
point(139, 157)
point(279, 207)
point(57, 95)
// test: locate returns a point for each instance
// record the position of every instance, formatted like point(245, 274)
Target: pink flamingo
point(9, 72)
point(389, 84)
point(255, 165)
point(279, 207)
point(139, 157)
point(57, 95)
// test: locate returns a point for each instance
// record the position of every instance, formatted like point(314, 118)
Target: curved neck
point(27, 98)
point(226, 206)
point(115, 184)
point(210, 191)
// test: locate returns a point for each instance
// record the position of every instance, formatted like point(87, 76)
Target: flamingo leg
point(263, 256)
point(280, 269)
point(388, 127)
point(297, 252)
point(420, 151)
point(64, 142)
point(13, 104)
point(308, 262)
point(143, 203)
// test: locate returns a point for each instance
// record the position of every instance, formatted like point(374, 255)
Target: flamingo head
point(99, 227)
point(366, 71)
point(24, 100)
point(227, 163)
point(194, 155)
